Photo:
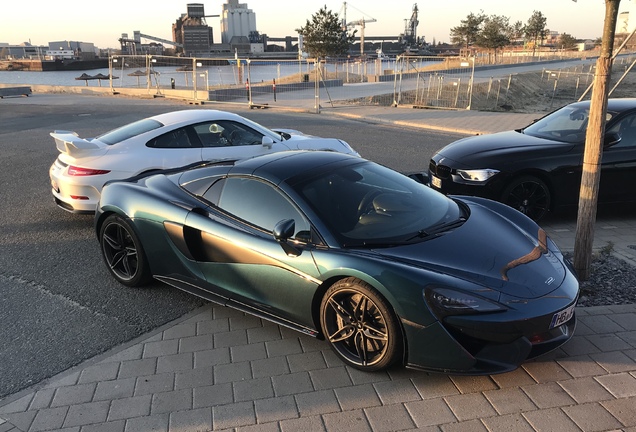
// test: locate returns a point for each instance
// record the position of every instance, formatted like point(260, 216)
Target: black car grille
point(441, 171)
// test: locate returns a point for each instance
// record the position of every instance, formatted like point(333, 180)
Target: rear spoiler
point(69, 142)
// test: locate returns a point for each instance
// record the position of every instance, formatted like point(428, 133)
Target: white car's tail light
point(79, 171)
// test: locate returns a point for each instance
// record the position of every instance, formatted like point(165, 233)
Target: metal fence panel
point(419, 81)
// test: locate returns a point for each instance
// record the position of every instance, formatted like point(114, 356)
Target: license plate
point(436, 182)
point(562, 317)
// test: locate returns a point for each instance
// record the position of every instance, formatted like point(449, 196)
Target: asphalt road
point(58, 304)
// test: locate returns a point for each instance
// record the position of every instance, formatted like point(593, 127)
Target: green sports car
point(384, 268)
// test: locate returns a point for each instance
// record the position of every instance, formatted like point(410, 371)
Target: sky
point(103, 23)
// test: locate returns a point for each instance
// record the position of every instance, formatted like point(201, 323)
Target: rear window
point(129, 131)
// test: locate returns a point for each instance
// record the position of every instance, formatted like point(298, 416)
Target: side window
point(626, 128)
point(259, 204)
point(227, 133)
point(177, 138)
point(211, 134)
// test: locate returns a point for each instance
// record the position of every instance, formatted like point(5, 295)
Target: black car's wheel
point(530, 195)
point(122, 252)
point(360, 325)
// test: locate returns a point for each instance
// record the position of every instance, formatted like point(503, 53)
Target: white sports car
point(164, 141)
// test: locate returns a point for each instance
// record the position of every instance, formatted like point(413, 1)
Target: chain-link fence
point(550, 87)
point(418, 81)
point(308, 83)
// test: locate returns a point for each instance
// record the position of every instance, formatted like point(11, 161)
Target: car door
point(225, 139)
point(618, 175)
point(247, 261)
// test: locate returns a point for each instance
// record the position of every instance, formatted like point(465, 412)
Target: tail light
point(79, 171)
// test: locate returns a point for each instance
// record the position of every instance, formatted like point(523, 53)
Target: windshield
point(368, 204)
point(565, 125)
point(129, 131)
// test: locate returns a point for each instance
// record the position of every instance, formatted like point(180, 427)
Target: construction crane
point(361, 22)
point(409, 37)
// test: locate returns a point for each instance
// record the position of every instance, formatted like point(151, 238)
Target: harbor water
point(212, 76)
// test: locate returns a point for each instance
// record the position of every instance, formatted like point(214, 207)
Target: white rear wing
point(70, 143)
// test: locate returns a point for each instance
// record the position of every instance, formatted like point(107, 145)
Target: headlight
point(446, 301)
point(480, 175)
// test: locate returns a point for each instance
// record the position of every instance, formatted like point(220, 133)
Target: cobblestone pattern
point(222, 370)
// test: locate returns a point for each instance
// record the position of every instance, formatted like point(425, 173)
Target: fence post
point(194, 77)
point(317, 86)
point(274, 88)
point(249, 79)
point(459, 85)
point(470, 84)
point(148, 71)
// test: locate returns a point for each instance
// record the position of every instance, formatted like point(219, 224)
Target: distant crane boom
point(361, 22)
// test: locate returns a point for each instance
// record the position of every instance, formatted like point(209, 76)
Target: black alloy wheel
point(530, 195)
point(360, 325)
point(122, 252)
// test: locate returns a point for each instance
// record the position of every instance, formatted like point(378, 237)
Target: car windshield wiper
point(437, 229)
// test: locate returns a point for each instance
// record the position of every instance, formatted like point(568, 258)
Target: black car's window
point(178, 138)
point(368, 203)
point(223, 133)
point(129, 131)
point(626, 128)
point(565, 125)
point(259, 204)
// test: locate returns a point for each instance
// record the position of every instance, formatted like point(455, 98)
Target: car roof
point(618, 104)
point(289, 166)
point(194, 115)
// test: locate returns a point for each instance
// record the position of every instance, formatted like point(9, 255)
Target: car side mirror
point(267, 142)
point(283, 231)
point(611, 138)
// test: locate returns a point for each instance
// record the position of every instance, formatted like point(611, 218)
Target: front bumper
point(493, 343)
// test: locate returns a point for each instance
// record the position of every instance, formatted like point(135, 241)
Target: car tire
point(360, 325)
point(122, 252)
point(530, 195)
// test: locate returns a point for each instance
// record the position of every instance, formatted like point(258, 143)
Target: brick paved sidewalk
point(219, 369)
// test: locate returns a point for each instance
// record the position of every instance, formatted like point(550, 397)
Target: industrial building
point(193, 37)
point(192, 33)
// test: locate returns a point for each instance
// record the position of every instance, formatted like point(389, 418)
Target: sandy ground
point(543, 92)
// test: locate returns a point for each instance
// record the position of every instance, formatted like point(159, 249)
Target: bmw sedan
point(538, 168)
point(164, 141)
point(384, 268)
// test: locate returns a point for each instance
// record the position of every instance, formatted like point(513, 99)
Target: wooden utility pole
point(592, 157)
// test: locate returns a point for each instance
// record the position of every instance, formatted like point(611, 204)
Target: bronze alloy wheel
point(360, 325)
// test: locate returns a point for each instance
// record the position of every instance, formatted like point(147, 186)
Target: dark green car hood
point(489, 250)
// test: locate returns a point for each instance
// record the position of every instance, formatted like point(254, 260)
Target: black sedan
point(538, 168)
point(384, 268)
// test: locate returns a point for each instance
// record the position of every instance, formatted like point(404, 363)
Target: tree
point(535, 29)
point(467, 32)
point(517, 31)
point(594, 137)
point(495, 33)
point(324, 35)
point(567, 41)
